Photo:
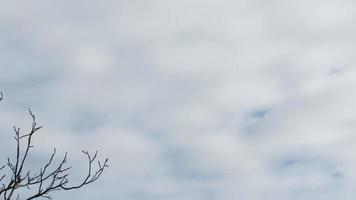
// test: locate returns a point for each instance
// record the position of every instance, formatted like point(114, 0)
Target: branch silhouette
point(50, 177)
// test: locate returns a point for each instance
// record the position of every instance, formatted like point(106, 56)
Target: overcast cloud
point(190, 99)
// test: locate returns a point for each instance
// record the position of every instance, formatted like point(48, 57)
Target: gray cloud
point(189, 99)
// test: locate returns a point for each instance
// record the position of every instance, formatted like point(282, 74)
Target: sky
point(189, 99)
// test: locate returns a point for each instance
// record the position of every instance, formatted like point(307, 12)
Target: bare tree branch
point(49, 178)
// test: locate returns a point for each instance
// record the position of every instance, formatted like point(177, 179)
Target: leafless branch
point(49, 178)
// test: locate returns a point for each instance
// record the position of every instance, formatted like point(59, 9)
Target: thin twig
point(46, 180)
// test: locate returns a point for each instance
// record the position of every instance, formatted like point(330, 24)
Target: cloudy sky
point(190, 99)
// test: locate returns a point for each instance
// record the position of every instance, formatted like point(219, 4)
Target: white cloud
point(173, 92)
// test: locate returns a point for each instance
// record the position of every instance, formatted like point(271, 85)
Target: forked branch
point(47, 179)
